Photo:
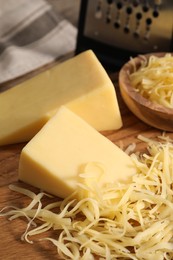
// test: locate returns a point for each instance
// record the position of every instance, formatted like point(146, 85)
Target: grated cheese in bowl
point(154, 79)
point(120, 221)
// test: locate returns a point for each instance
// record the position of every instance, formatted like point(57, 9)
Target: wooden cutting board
point(11, 246)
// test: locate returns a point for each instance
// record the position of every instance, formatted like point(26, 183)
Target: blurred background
point(68, 8)
point(35, 34)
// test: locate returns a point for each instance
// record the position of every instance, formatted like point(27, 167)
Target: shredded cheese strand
point(120, 221)
point(154, 80)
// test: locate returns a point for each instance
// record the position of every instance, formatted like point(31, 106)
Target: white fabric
point(21, 48)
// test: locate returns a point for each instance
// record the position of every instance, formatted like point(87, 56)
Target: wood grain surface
point(11, 246)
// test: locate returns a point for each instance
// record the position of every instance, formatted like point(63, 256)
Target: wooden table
point(11, 246)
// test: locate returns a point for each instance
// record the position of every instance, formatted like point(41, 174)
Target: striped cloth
point(31, 36)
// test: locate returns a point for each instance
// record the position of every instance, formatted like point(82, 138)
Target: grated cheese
point(121, 221)
point(154, 80)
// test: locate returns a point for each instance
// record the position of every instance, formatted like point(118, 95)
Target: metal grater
point(116, 30)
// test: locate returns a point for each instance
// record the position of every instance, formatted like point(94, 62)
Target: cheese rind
point(80, 83)
point(55, 157)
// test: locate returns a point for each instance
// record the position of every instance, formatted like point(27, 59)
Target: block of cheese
point(55, 157)
point(80, 83)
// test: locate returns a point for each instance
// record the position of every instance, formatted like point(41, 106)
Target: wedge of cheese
point(80, 83)
point(56, 156)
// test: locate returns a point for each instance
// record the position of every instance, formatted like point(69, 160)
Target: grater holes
point(145, 8)
point(129, 10)
point(119, 5)
point(155, 13)
point(148, 21)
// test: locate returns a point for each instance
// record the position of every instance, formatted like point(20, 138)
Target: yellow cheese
point(56, 156)
point(80, 83)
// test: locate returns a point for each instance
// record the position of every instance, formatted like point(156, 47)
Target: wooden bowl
point(151, 113)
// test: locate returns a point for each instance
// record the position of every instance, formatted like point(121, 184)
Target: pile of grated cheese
point(120, 221)
point(154, 79)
